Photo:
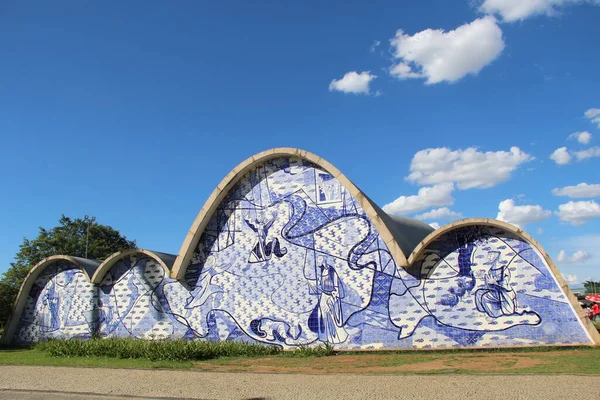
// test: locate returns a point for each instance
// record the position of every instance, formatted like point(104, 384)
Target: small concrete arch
point(520, 233)
point(202, 219)
point(87, 267)
point(165, 260)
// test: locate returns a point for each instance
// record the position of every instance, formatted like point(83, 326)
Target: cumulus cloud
point(578, 212)
point(582, 190)
point(521, 215)
point(434, 225)
point(439, 56)
point(571, 279)
point(579, 256)
point(593, 114)
point(427, 197)
point(518, 10)
point(468, 168)
point(438, 213)
point(588, 153)
point(582, 137)
point(353, 82)
point(561, 156)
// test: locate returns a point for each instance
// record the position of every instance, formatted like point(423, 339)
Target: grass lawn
point(580, 360)
point(33, 356)
point(539, 360)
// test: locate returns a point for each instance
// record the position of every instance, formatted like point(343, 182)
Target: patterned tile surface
point(290, 258)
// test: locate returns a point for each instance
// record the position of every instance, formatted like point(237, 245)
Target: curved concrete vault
point(288, 251)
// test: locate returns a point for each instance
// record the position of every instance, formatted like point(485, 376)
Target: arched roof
point(94, 271)
point(399, 235)
point(164, 259)
point(520, 233)
point(87, 267)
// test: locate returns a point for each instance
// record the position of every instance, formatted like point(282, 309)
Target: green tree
point(8, 293)
point(79, 237)
point(591, 287)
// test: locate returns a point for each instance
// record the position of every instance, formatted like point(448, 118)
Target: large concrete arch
point(520, 233)
point(165, 260)
point(377, 217)
point(87, 267)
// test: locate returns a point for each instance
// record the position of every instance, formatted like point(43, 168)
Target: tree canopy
point(591, 287)
point(79, 237)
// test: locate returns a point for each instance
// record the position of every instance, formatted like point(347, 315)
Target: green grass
point(33, 356)
point(306, 351)
point(176, 350)
point(230, 356)
point(557, 360)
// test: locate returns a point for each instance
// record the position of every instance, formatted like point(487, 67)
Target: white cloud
point(434, 225)
point(561, 156)
point(540, 231)
point(404, 71)
point(578, 212)
point(593, 114)
point(588, 153)
point(440, 56)
point(578, 256)
point(582, 190)
point(521, 215)
point(353, 82)
point(582, 137)
point(374, 46)
point(469, 168)
point(438, 213)
point(427, 197)
point(571, 279)
point(518, 10)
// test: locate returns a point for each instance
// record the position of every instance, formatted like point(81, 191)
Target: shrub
point(176, 350)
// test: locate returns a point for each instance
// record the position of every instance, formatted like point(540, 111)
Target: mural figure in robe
point(50, 319)
point(326, 320)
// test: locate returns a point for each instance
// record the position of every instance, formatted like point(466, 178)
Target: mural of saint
point(327, 317)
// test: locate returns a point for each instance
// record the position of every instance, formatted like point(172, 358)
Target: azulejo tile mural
point(290, 258)
point(60, 305)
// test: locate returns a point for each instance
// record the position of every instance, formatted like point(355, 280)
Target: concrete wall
point(290, 258)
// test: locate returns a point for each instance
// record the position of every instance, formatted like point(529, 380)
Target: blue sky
point(134, 111)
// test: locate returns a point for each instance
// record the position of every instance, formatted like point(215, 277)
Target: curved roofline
point(418, 251)
point(165, 260)
point(85, 265)
point(236, 174)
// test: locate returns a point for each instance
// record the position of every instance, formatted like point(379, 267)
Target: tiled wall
point(290, 258)
point(60, 305)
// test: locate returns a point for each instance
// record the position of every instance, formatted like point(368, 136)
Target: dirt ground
point(393, 363)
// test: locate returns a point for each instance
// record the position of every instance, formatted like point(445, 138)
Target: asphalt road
point(59, 383)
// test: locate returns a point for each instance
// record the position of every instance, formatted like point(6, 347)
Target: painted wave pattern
point(289, 258)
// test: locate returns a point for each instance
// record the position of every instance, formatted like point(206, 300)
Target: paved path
point(7, 394)
point(108, 384)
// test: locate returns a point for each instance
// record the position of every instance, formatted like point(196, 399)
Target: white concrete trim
point(223, 188)
point(417, 252)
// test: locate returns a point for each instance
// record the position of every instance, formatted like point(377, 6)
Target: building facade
point(288, 252)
